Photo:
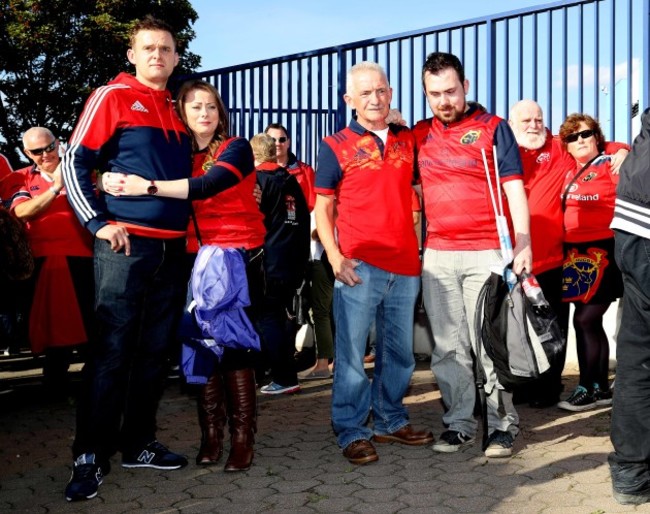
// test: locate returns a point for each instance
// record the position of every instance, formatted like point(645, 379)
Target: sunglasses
point(47, 149)
point(279, 139)
point(585, 134)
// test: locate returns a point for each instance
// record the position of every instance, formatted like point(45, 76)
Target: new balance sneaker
point(452, 441)
point(580, 400)
point(499, 444)
point(85, 480)
point(602, 397)
point(274, 388)
point(154, 455)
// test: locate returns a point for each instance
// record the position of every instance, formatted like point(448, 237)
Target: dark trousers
point(137, 305)
point(631, 411)
point(322, 289)
point(277, 332)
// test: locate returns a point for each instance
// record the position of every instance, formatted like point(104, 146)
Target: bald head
point(36, 133)
point(42, 147)
point(527, 122)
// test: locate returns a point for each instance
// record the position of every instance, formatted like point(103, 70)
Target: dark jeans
point(631, 411)
point(137, 304)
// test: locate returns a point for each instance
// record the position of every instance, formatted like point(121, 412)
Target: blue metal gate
point(570, 56)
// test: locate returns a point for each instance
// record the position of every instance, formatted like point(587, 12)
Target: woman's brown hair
point(572, 125)
point(221, 132)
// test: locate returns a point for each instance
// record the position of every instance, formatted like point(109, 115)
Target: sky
point(230, 33)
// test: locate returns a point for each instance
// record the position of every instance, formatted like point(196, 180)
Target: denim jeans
point(138, 301)
point(451, 282)
point(389, 298)
point(630, 462)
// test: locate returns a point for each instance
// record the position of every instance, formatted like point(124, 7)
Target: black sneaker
point(602, 397)
point(452, 441)
point(499, 444)
point(86, 478)
point(154, 455)
point(580, 400)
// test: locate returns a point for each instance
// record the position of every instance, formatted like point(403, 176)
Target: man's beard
point(455, 115)
point(531, 141)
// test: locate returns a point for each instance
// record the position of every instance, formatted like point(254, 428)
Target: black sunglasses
point(39, 151)
point(279, 139)
point(572, 138)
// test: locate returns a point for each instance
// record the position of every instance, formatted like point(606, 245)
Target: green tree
point(53, 53)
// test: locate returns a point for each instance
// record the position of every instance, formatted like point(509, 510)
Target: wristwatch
point(152, 189)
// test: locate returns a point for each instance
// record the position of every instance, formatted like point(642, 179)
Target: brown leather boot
point(242, 403)
point(212, 418)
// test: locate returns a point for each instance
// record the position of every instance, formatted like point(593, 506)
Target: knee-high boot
point(242, 414)
point(212, 418)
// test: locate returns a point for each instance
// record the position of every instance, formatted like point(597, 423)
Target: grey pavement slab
point(559, 465)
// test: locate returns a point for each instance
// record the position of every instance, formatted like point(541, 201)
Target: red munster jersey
point(456, 197)
point(545, 170)
point(57, 230)
point(372, 183)
point(590, 202)
point(232, 218)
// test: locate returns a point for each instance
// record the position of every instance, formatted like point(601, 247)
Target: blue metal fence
point(570, 56)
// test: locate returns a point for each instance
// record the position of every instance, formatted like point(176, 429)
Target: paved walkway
point(559, 465)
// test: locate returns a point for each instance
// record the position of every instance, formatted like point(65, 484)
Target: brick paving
point(559, 465)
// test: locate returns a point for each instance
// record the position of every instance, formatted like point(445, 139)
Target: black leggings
point(592, 345)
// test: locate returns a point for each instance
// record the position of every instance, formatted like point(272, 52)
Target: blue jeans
point(389, 298)
point(630, 462)
point(138, 302)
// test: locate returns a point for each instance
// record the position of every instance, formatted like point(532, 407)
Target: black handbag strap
point(575, 179)
point(196, 225)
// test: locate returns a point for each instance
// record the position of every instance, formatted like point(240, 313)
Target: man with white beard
point(546, 163)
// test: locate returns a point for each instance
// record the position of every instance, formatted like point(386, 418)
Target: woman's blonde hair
point(264, 148)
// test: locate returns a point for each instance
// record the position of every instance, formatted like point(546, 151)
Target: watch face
point(152, 189)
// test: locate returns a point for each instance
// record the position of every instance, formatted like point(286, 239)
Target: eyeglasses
point(47, 149)
point(279, 139)
point(585, 134)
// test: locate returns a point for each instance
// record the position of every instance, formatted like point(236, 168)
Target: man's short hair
point(362, 66)
point(439, 61)
point(264, 148)
point(276, 126)
point(151, 23)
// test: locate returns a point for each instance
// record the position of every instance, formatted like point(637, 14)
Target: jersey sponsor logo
point(137, 106)
point(470, 137)
point(572, 195)
point(543, 157)
point(590, 176)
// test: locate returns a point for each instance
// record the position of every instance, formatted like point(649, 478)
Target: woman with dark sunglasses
point(591, 279)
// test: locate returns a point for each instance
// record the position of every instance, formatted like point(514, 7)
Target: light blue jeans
point(390, 299)
point(451, 282)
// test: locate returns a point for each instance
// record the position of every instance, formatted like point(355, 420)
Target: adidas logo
point(137, 106)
